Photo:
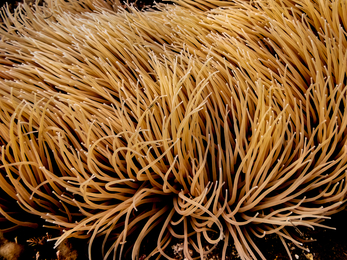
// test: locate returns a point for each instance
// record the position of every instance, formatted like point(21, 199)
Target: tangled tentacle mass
point(217, 121)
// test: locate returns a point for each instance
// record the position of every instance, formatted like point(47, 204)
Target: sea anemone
point(217, 121)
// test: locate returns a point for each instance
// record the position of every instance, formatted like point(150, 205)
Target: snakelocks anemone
point(216, 121)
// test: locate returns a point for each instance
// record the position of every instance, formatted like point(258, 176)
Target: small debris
point(177, 248)
point(39, 241)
